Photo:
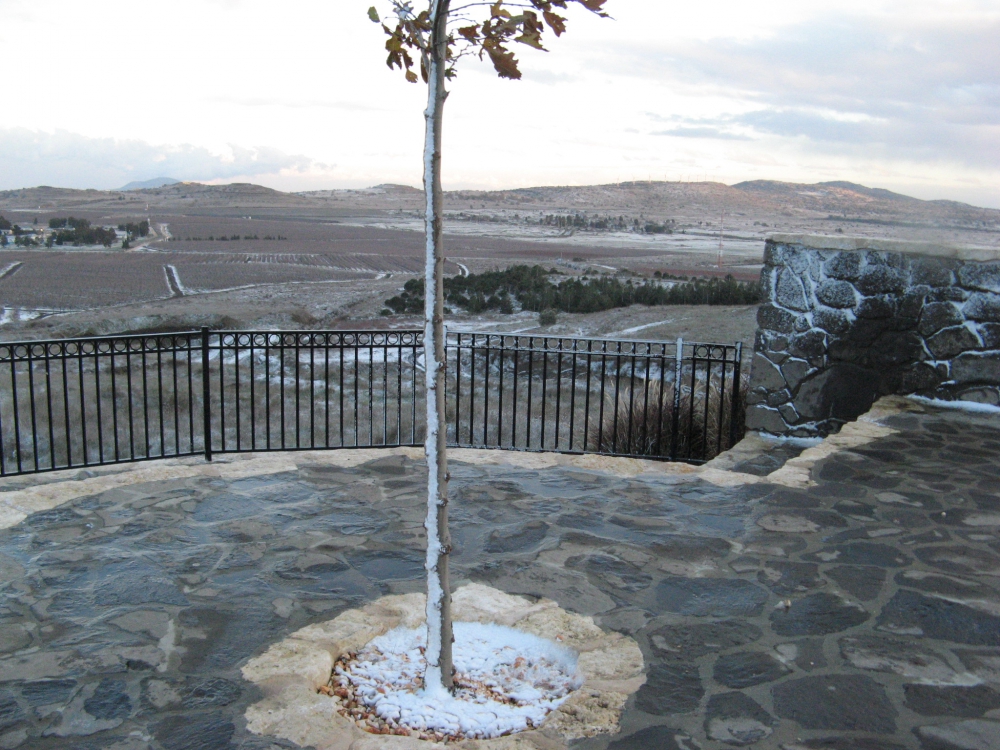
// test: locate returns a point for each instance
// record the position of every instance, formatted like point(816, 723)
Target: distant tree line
point(22, 237)
point(73, 231)
point(606, 223)
point(133, 230)
point(582, 221)
point(69, 221)
point(531, 288)
point(228, 238)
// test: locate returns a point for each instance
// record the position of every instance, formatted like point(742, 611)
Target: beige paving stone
point(292, 670)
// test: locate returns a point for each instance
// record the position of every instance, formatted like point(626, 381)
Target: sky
point(296, 96)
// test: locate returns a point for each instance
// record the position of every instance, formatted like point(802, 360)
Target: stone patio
point(857, 611)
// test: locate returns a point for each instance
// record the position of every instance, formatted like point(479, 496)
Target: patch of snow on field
point(506, 681)
point(14, 315)
point(970, 406)
point(636, 329)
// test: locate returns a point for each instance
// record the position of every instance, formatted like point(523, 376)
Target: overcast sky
point(296, 95)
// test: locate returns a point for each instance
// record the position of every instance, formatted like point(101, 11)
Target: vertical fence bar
point(17, 410)
point(206, 394)
point(399, 389)
point(691, 400)
point(48, 405)
point(600, 416)
point(188, 345)
point(629, 447)
point(253, 393)
point(3, 449)
point(708, 393)
point(572, 395)
point(486, 392)
point(131, 408)
point(736, 397)
point(413, 393)
point(312, 390)
point(618, 378)
point(114, 399)
point(678, 373)
point(298, 390)
point(513, 402)
point(97, 402)
point(586, 397)
point(722, 402)
point(222, 393)
point(177, 400)
point(472, 391)
point(31, 405)
point(458, 388)
point(499, 443)
point(236, 382)
point(644, 445)
point(531, 379)
point(545, 378)
point(159, 393)
point(659, 402)
point(267, 391)
point(145, 396)
point(559, 357)
point(385, 389)
point(65, 386)
point(371, 386)
point(83, 411)
point(281, 384)
point(326, 390)
point(357, 370)
point(340, 341)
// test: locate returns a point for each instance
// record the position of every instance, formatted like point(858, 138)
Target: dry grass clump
point(641, 423)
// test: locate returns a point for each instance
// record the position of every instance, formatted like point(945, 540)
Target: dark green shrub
point(547, 317)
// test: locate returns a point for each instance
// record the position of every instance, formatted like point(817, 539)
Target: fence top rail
point(331, 331)
point(93, 346)
point(597, 345)
point(183, 340)
point(332, 339)
point(109, 337)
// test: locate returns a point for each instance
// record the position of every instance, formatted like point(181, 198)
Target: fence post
point(678, 372)
point(735, 395)
point(206, 393)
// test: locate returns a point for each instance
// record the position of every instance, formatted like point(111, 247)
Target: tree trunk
point(439, 634)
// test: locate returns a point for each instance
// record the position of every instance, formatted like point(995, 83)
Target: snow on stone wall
point(847, 320)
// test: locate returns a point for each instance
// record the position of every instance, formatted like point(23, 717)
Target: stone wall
point(847, 320)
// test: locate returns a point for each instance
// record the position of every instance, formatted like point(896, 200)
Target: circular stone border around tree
point(290, 673)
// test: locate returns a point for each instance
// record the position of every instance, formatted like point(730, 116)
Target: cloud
point(71, 160)
point(902, 87)
point(703, 132)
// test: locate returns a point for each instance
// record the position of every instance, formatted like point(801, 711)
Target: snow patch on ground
point(506, 681)
point(970, 406)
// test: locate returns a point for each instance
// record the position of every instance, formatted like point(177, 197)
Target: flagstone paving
point(869, 620)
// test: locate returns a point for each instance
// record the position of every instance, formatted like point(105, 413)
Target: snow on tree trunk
point(439, 631)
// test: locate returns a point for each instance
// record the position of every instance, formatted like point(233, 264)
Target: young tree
point(438, 36)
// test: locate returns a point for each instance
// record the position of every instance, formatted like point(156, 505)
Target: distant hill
point(156, 182)
point(757, 206)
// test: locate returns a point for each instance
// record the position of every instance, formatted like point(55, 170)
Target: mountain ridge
point(146, 184)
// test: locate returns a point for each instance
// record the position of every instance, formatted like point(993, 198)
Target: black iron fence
point(94, 401)
point(676, 400)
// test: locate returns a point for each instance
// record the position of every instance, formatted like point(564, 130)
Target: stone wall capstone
point(848, 320)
